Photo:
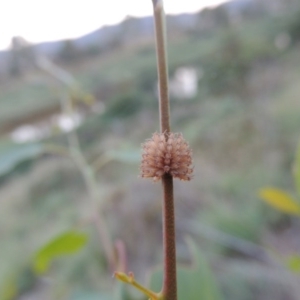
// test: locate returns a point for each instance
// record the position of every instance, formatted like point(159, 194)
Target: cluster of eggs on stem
point(166, 153)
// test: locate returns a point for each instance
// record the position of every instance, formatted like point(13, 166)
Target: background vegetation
point(243, 126)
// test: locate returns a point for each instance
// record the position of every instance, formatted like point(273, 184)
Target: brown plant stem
point(162, 66)
point(169, 289)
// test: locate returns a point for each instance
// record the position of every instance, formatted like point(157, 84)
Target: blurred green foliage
point(64, 244)
point(123, 106)
point(293, 263)
point(15, 156)
point(243, 126)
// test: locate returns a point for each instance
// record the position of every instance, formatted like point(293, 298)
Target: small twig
point(61, 75)
point(76, 153)
point(121, 255)
point(89, 178)
point(129, 279)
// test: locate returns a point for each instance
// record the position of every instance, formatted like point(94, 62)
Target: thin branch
point(92, 187)
point(76, 153)
point(129, 279)
point(162, 67)
point(169, 289)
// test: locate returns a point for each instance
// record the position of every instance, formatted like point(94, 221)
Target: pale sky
point(47, 20)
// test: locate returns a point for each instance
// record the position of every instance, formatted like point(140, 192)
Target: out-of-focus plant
point(227, 68)
point(71, 241)
point(165, 156)
point(68, 102)
point(282, 200)
point(286, 203)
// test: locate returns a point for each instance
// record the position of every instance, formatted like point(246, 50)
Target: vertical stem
point(87, 172)
point(162, 67)
point(90, 181)
point(169, 289)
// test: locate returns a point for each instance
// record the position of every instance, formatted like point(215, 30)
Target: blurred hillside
point(241, 119)
point(135, 35)
point(132, 31)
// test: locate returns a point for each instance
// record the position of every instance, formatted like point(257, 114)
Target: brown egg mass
point(166, 155)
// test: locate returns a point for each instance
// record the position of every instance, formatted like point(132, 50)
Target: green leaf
point(64, 244)
point(194, 282)
point(13, 155)
point(293, 263)
point(296, 169)
point(280, 200)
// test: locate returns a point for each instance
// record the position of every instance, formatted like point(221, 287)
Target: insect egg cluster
point(166, 154)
